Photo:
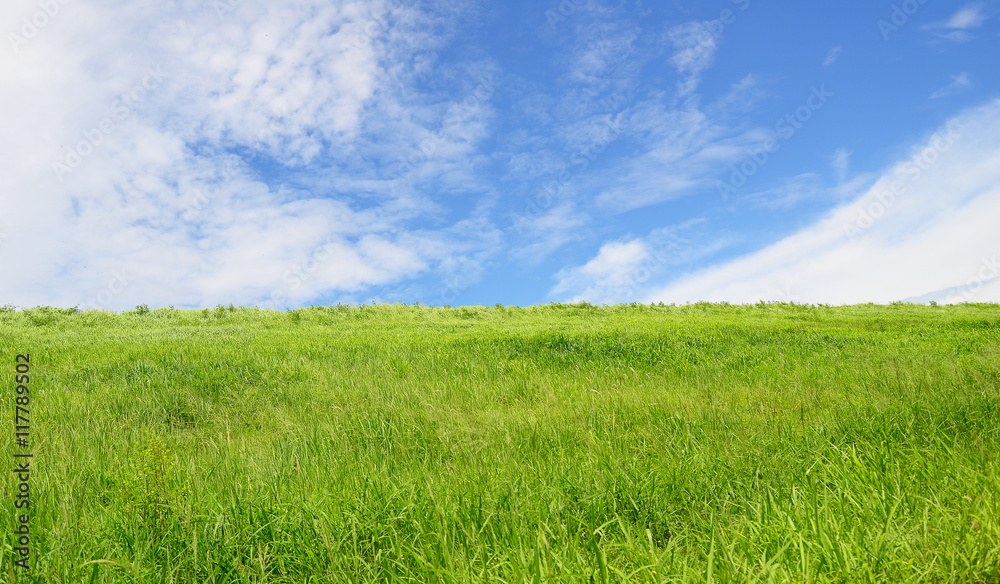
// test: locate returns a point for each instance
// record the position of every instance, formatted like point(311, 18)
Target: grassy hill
point(559, 443)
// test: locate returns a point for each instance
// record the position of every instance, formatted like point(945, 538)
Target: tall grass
point(559, 443)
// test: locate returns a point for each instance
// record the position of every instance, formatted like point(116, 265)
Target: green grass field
point(559, 443)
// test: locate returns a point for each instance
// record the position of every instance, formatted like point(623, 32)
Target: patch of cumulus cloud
point(192, 153)
point(623, 269)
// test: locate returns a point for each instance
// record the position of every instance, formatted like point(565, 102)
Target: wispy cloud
point(788, 193)
point(679, 140)
point(689, 147)
point(811, 187)
point(694, 46)
point(840, 162)
point(958, 27)
point(831, 56)
point(685, 149)
point(958, 82)
point(970, 16)
point(932, 235)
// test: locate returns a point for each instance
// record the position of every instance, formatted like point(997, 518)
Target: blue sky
point(286, 154)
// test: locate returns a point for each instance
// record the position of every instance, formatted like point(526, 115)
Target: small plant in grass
point(144, 483)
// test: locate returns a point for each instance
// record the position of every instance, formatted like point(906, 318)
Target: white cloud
point(960, 81)
point(606, 278)
point(810, 187)
point(622, 269)
point(548, 230)
point(694, 44)
point(831, 56)
point(605, 48)
point(680, 144)
point(570, 124)
point(936, 231)
point(970, 16)
point(788, 194)
point(169, 197)
point(958, 27)
point(840, 162)
point(685, 148)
